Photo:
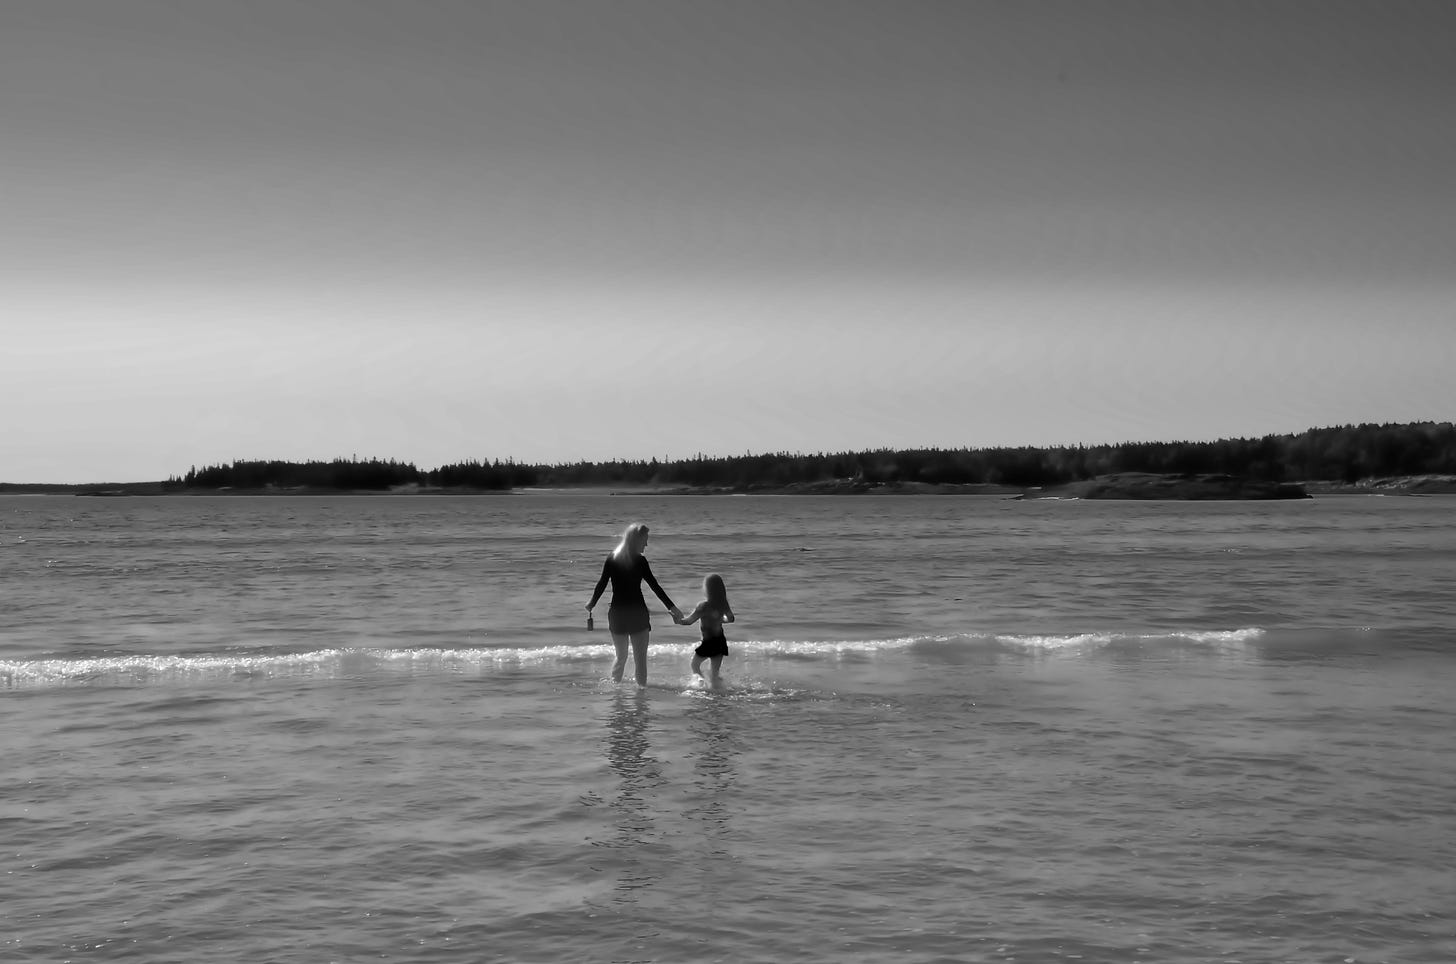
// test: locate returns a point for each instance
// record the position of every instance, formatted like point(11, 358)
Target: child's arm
point(691, 617)
point(727, 615)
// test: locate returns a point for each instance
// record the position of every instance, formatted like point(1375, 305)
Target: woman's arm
point(602, 582)
point(651, 580)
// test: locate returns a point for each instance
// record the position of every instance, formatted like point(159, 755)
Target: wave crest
point(141, 669)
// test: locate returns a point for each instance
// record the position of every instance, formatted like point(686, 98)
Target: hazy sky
point(552, 231)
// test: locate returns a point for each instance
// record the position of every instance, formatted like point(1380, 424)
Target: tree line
point(363, 475)
point(1346, 453)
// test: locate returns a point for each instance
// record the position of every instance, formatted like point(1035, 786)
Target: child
point(714, 611)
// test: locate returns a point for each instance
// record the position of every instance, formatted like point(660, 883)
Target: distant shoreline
point(1123, 486)
point(1412, 458)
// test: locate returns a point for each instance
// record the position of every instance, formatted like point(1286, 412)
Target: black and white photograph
point(674, 481)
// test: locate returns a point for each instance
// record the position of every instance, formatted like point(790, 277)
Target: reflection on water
point(715, 744)
point(629, 755)
point(637, 842)
point(671, 851)
point(658, 802)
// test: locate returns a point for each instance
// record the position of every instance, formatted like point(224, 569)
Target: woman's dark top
point(626, 580)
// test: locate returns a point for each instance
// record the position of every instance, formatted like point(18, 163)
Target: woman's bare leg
point(639, 655)
point(619, 640)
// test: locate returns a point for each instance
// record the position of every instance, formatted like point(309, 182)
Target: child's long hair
point(631, 544)
point(716, 592)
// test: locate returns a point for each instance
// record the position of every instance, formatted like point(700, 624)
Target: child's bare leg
point(717, 665)
point(698, 665)
point(620, 642)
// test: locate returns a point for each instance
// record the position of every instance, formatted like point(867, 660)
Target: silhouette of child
point(712, 612)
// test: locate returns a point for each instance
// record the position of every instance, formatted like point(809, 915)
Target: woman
point(627, 616)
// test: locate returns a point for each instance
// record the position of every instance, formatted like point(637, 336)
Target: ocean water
point(243, 729)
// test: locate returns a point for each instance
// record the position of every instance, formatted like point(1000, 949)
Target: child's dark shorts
point(712, 646)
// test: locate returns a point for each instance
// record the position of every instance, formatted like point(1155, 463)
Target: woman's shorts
point(625, 622)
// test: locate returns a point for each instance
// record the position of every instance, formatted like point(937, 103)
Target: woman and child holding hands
point(631, 625)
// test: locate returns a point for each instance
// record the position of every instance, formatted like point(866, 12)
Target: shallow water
point(954, 729)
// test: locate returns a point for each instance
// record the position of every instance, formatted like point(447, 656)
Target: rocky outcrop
point(1390, 485)
point(1144, 485)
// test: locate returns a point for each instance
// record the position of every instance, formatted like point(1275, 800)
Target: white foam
point(333, 662)
point(142, 667)
point(1054, 642)
point(826, 647)
point(1075, 641)
point(1222, 636)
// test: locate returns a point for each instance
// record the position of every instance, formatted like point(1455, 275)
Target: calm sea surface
point(953, 729)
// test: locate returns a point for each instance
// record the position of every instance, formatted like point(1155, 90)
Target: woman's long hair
point(716, 592)
point(631, 545)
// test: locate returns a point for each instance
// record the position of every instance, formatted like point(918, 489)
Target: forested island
point(1408, 457)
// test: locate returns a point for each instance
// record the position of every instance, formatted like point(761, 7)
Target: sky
point(554, 231)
